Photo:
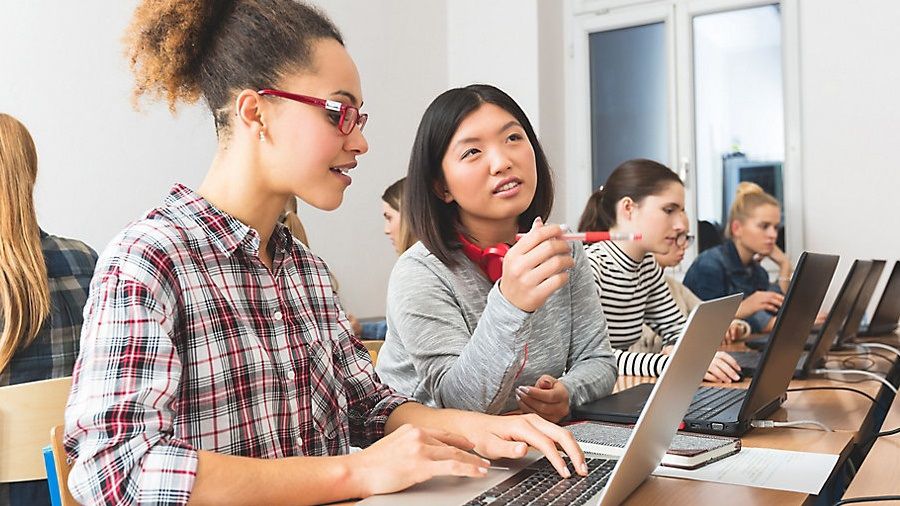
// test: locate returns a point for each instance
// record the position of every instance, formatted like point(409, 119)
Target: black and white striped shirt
point(632, 294)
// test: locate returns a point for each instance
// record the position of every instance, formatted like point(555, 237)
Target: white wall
point(401, 51)
point(518, 46)
point(102, 163)
point(851, 113)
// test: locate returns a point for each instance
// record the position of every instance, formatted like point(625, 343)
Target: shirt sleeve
point(633, 363)
point(369, 402)
point(706, 279)
point(471, 370)
point(591, 369)
point(120, 412)
point(661, 313)
point(759, 320)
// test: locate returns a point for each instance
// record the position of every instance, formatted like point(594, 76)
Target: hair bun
point(166, 42)
point(748, 188)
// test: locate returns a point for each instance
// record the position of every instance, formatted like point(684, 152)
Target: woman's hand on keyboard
point(411, 455)
point(723, 369)
point(509, 437)
point(548, 398)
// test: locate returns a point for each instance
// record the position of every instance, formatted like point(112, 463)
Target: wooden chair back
point(62, 466)
point(27, 413)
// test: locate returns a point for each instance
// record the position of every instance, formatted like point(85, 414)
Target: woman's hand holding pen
point(548, 398)
point(535, 267)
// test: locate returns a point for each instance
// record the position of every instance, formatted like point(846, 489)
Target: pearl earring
point(262, 136)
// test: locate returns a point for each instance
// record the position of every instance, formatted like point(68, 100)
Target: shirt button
point(278, 316)
point(299, 441)
point(291, 375)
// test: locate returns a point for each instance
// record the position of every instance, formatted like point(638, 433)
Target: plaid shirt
point(190, 343)
point(70, 264)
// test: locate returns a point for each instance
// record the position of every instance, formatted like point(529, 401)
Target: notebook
point(727, 410)
point(827, 334)
point(686, 451)
point(611, 481)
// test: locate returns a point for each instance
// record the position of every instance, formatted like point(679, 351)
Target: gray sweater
point(454, 341)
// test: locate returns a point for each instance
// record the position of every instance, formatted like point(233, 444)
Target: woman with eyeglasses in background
point(684, 298)
point(646, 197)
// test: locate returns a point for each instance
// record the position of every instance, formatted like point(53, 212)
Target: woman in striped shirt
point(641, 196)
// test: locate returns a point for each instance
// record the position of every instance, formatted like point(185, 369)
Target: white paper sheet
point(764, 468)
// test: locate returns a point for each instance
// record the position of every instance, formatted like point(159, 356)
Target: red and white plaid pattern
point(189, 342)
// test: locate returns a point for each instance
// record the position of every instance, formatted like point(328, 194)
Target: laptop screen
point(794, 321)
point(888, 310)
point(849, 291)
point(851, 326)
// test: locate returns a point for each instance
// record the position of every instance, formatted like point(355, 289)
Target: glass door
point(624, 101)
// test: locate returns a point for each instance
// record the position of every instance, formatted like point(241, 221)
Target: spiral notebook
point(687, 451)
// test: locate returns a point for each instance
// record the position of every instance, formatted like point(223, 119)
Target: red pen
point(588, 237)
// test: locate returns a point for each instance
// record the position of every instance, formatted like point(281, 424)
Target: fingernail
point(522, 390)
point(482, 470)
point(522, 447)
point(486, 463)
point(566, 473)
point(537, 222)
point(563, 227)
point(584, 468)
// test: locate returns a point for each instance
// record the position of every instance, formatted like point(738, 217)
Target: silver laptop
point(534, 481)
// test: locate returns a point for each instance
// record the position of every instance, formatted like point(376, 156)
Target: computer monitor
point(737, 168)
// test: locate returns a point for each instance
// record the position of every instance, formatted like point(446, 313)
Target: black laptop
point(851, 326)
point(848, 331)
point(728, 411)
point(827, 334)
point(887, 312)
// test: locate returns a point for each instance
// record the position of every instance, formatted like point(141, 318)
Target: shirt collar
point(733, 259)
point(621, 258)
point(219, 228)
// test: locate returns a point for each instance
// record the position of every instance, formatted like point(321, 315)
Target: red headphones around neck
point(489, 259)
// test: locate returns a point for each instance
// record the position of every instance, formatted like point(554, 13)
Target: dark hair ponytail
point(184, 49)
point(593, 218)
point(636, 179)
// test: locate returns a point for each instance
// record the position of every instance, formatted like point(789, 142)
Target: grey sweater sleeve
point(591, 365)
point(467, 369)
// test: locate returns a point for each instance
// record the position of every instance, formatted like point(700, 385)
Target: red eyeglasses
point(343, 115)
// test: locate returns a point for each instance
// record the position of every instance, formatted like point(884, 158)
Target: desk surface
point(840, 410)
point(880, 472)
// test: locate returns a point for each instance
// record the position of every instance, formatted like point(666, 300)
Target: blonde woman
point(733, 266)
point(42, 290)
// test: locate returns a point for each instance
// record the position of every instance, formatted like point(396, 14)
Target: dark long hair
point(637, 179)
point(433, 221)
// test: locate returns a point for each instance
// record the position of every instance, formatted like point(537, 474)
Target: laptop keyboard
point(746, 359)
point(540, 484)
point(710, 401)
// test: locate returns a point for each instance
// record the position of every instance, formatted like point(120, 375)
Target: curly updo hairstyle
point(182, 50)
